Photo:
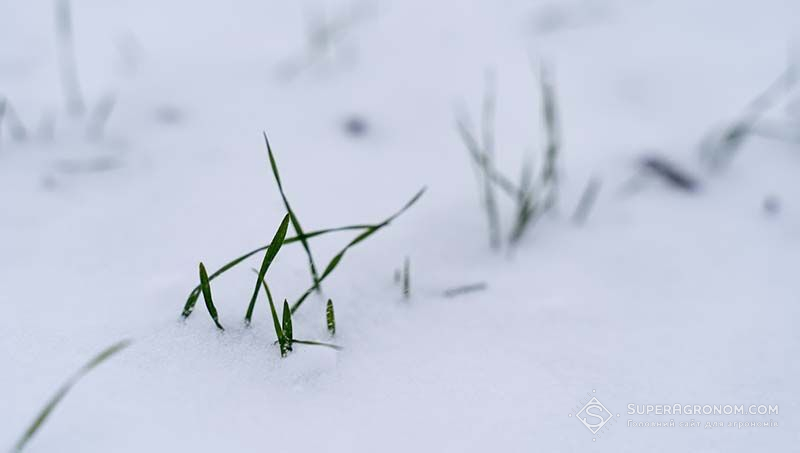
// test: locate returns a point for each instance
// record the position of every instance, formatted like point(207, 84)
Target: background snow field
point(662, 296)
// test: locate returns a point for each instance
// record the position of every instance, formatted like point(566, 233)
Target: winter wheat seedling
point(532, 197)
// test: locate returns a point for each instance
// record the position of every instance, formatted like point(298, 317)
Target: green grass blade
point(490, 198)
point(551, 126)
point(295, 222)
point(330, 318)
point(205, 286)
point(369, 232)
point(527, 212)
point(587, 201)
point(406, 278)
point(269, 256)
point(464, 289)
point(64, 389)
point(191, 301)
point(319, 343)
point(275, 322)
point(287, 323)
point(474, 149)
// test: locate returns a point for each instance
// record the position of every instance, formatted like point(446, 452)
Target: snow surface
point(661, 298)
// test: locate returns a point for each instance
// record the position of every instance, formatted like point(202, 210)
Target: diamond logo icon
point(594, 415)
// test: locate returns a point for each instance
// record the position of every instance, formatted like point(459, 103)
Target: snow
point(661, 297)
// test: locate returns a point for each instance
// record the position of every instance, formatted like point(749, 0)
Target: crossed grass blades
point(283, 329)
point(719, 147)
point(48, 408)
point(533, 195)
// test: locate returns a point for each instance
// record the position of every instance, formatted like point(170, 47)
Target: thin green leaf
point(287, 323)
point(295, 222)
point(269, 256)
point(206, 288)
point(275, 322)
point(369, 232)
point(587, 201)
point(191, 301)
point(406, 278)
point(64, 389)
point(474, 149)
point(490, 198)
point(464, 289)
point(330, 318)
point(527, 212)
point(319, 343)
point(551, 126)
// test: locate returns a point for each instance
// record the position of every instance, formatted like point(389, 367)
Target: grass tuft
point(533, 196)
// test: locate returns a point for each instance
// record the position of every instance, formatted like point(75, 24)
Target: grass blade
point(551, 126)
point(586, 202)
point(205, 286)
point(475, 152)
point(295, 223)
point(287, 323)
point(330, 318)
point(464, 289)
point(64, 389)
point(319, 343)
point(275, 322)
point(406, 278)
point(490, 198)
point(527, 211)
point(369, 232)
point(191, 301)
point(269, 256)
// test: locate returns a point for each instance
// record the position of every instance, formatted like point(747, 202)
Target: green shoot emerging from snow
point(206, 288)
point(330, 318)
point(532, 196)
point(284, 330)
point(406, 278)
